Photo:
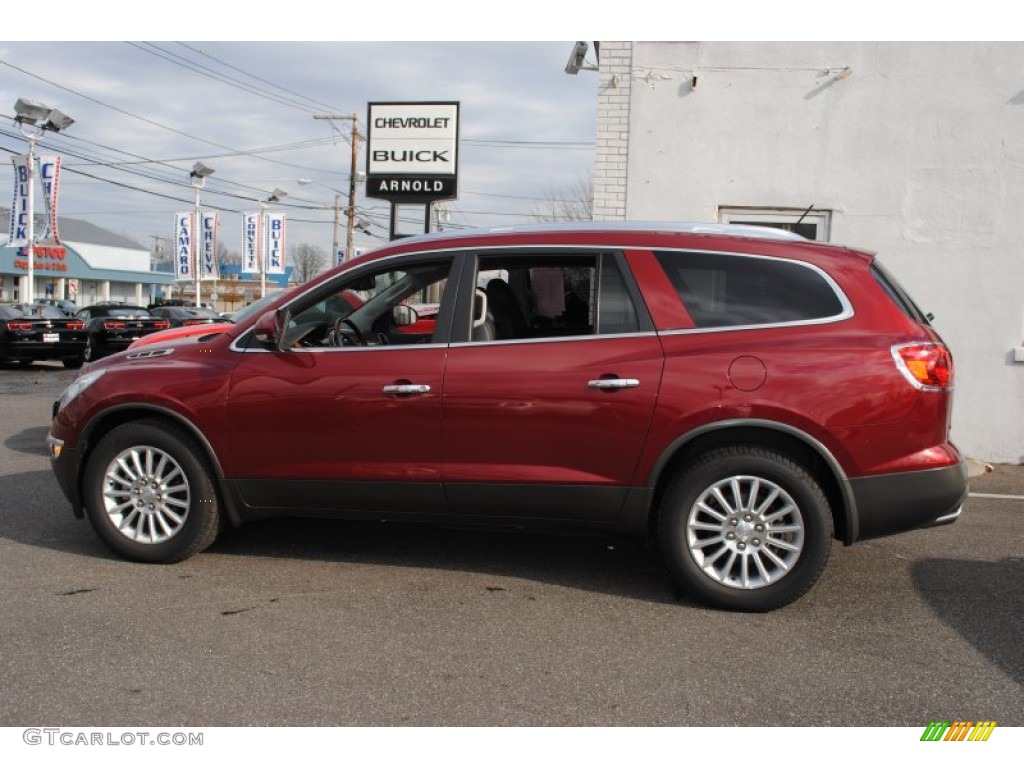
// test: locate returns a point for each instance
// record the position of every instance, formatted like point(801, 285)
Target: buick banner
point(275, 243)
point(18, 234)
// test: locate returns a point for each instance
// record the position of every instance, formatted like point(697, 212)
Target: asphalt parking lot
point(332, 623)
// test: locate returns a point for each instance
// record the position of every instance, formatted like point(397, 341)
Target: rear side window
point(899, 296)
point(723, 290)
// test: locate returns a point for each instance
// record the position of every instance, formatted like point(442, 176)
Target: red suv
point(739, 395)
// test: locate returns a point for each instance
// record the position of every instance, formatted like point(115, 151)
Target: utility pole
point(351, 179)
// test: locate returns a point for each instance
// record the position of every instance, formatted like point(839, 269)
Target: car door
point(345, 418)
point(548, 418)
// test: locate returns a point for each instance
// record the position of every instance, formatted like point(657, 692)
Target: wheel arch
point(124, 413)
point(798, 445)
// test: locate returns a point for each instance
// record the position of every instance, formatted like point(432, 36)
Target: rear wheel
point(149, 495)
point(745, 528)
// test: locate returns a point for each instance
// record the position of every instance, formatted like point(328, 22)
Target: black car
point(67, 306)
point(112, 327)
point(39, 332)
point(178, 316)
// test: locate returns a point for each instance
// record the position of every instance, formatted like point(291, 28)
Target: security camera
point(577, 59)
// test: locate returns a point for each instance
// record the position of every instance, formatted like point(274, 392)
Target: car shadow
point(964, 594)
point(31, 441)
point(35, 512)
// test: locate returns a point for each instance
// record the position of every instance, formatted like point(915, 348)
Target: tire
point(745, 528)
point(89, 355)
point(149, 494)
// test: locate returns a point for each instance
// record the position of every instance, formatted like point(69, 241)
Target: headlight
point(77, 387)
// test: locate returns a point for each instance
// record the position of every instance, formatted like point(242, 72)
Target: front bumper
point(894, 503)
point(64, 462)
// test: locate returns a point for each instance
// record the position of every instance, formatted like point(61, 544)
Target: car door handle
point(613, 383)
point(405, 389)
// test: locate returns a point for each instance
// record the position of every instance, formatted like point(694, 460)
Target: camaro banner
point(18, 234)
point(208, 262)
point(275, 244)
point(252, 242)
point(184, 229)
point(49, 177)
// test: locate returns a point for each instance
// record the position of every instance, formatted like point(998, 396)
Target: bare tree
point(225, 256)
point(308, 261)
point(574, 202)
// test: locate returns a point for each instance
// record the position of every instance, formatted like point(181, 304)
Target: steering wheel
point(338, 337)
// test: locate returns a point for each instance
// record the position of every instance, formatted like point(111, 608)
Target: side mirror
point(270, 328)
point(403, 315)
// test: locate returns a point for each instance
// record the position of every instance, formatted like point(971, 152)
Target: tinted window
point(722, 290)
point(899, 296)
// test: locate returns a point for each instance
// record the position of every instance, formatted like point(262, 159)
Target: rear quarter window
point(725, 290)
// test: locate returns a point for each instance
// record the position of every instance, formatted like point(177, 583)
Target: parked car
point(111, 327)
point(738, 395)
point(40, 332)
point(66, 306)
point(202, 331)
point(179, 316)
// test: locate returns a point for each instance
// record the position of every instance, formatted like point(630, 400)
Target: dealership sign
point(412, 151)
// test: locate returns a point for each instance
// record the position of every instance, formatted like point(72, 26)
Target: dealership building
point(912, 150)
point(93, 265)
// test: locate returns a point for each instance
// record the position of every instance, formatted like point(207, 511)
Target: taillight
point(112, 325)
point(20, 326)
point(925, 365)
point(162, 324)
point(76, 325)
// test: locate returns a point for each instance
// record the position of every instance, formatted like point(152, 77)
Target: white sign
point(73, 287)
point(252, 242)
point(49, 177)
point(412, 150)
point(18, 234)
point(208, 262)
point(184, 229)
point(275, 244)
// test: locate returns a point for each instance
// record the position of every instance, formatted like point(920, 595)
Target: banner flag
point(49, 177)
point(184, 246)
point(275, 244)
point(252, 242)
point(18, 234)
point(208, 262)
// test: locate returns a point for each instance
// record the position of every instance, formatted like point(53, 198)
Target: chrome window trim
point(551, 339)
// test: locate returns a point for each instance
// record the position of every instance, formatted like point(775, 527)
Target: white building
point(912, 150)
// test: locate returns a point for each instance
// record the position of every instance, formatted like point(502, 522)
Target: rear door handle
point(613, 383)
point(405, 389)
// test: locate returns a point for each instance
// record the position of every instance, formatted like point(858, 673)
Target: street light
point(275, 197)
point(197, 177)
point(35, 118)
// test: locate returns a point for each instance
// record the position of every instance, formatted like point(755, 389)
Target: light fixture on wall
point(578, 59)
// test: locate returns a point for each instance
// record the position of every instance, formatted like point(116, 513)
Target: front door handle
point(613, 383)
point(405, 389)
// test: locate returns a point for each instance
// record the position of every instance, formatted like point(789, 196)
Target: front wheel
point(745, 528)
point(148, 493)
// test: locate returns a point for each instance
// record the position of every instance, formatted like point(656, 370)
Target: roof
point(83, 232)
point(671, 227)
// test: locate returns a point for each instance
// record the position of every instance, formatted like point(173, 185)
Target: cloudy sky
point(146, 111)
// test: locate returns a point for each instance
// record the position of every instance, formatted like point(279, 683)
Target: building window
point(813, 224)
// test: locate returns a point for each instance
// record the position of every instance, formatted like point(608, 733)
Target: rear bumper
point(888, 504)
